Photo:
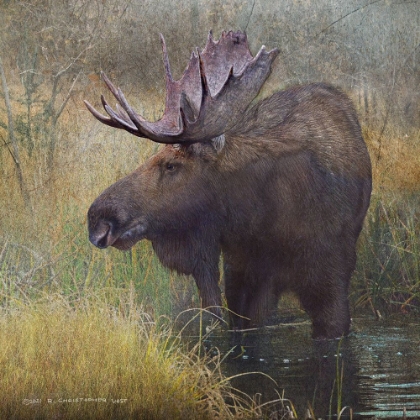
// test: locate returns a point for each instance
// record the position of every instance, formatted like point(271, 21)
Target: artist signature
point(78, 400)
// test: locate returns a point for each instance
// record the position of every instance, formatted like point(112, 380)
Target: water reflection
point(376, 370)
point(389, 367)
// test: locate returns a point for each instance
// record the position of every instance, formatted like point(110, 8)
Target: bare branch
point(13, 141)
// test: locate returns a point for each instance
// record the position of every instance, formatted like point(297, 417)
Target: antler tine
point(99, 116)
point(168, 74)
point(216, 88)
point(134, 121)
point(128, 120)
point(118, 118)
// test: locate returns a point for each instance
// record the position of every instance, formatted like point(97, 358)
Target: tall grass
point(387, 276)
point(83, 336)
point(388, 271)
point(74, 269)
point(91, 360)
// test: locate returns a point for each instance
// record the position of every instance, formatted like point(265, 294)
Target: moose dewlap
point(280, 188)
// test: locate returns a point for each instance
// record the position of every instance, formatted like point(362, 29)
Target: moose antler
point(216, 88)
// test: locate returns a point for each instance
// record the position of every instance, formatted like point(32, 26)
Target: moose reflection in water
point(279, 188)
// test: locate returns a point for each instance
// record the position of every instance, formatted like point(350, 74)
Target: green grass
point(388, 270)
point(73, 268)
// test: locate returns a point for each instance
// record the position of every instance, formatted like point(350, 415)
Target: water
point(376, 370)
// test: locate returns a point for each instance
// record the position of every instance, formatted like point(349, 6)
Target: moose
point(278, 187)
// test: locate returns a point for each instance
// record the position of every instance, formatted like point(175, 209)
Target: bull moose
point(279, 188)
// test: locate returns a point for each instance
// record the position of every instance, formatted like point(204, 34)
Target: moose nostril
point(100, 237)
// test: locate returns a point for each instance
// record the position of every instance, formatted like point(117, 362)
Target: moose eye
point(170, 167)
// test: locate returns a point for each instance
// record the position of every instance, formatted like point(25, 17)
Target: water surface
point(376, 370)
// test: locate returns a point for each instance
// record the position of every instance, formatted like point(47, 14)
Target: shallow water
point(377, 367)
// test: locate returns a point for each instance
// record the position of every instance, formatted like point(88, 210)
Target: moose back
point(279, 189)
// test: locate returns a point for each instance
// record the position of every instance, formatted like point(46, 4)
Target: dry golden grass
point(90, 361)
point(395, 160)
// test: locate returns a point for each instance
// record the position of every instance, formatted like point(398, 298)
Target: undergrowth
point(74, 269)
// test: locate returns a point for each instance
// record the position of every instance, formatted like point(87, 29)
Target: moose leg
point(249, 297)
point(329, 312)
point(236, 296)
point(325, 296)
point(207, 281)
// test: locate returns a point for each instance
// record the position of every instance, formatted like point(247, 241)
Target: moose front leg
point(207, 280)
point(236, 296)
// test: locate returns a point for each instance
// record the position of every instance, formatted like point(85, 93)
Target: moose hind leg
point(330, 313)
point(324, 290)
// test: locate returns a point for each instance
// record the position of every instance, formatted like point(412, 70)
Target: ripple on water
point(380, 363)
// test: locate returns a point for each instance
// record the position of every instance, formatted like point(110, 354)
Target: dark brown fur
point(283, 201)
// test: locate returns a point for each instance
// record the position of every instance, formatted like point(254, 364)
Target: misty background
point(52, 52)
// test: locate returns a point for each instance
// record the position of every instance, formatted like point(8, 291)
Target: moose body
point(282, 194)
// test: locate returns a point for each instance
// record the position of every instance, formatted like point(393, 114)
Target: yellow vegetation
point(90, 361)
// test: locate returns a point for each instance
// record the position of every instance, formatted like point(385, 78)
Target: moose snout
point(100, 234)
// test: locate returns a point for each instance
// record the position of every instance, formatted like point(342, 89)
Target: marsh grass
point(388, 270)
point(92, 360)
point(387, 276)
point(82, 339)
point(74, 269)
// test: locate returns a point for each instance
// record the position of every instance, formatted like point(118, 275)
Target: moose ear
point(218, 143)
